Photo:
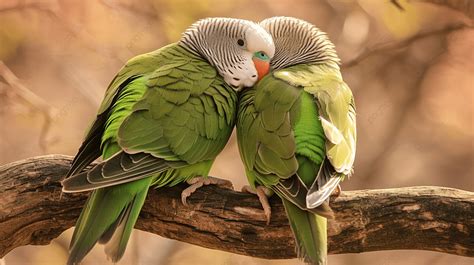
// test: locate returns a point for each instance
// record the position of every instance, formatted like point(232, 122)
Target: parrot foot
point(198, 182)
point(337, 191)
point(262, 193)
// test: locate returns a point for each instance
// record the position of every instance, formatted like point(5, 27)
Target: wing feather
point(337, 115)
point(90, 148)
point(265, 119)
point(161, 128)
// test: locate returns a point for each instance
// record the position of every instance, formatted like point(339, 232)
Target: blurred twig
point(33, 100)
point(6, 6)
point(397, 45)
point(53, 10)
point(463, 6)
point(397, 5)
point(406, 109)
point(407, 105)
point(142, 12)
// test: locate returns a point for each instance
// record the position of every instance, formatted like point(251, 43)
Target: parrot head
point(298, 42)
point(240, 50)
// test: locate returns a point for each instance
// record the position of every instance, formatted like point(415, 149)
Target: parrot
point(296, 131)
point(164, 118)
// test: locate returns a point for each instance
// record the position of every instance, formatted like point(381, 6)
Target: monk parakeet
point(296, 130)
point(164, 119)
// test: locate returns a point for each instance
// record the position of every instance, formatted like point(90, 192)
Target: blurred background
point(409, 64)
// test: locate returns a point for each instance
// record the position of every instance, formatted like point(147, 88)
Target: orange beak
point(263, 67)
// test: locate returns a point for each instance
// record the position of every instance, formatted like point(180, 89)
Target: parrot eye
point(262, 56)
point(240, 42)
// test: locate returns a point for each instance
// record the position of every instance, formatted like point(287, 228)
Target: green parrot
point(296, 131)
point(164, 119)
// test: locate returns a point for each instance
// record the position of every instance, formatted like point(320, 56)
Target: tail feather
point(310, 231)
point(79, 222)
point(117, 244)
point(109, 213)
point(107, 235)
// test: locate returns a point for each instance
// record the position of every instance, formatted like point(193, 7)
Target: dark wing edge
point(118, 169)
point(294, 190)
point(90, 148)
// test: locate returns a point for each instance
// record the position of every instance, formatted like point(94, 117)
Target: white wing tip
point(331, 131)
point(317, 198)
point(314, 200)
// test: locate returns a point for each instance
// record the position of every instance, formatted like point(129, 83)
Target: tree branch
point(33, 211)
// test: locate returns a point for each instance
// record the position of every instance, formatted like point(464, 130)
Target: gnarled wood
point(33, 211)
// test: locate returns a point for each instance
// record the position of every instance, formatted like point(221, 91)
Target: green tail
point(310, 232)
point(108, 218)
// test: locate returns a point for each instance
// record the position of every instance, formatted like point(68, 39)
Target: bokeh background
point(410, 67)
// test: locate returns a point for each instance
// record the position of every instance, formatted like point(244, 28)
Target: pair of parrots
point(167, 115)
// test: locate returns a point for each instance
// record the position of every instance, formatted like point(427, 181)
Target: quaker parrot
point(296, 131)
point(164, 119)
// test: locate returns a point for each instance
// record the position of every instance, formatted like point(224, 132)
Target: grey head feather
point(228, 44)
point(298, 42)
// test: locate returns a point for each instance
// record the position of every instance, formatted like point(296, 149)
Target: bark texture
point(34, 211)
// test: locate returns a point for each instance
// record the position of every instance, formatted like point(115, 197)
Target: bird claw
point(198, 182)
point(337, 191)
point(262, 193)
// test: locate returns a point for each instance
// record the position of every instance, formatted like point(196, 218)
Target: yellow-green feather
point(281, 135)
point(324, 82)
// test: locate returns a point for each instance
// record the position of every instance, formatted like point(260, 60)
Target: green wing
point(185, 117)
point(266, 140)
point(275, 134)
point(296, 132)
point(91, 146)
point(161, 127)
point(337, 115)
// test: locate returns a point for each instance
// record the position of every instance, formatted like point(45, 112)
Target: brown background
point(414, 98)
